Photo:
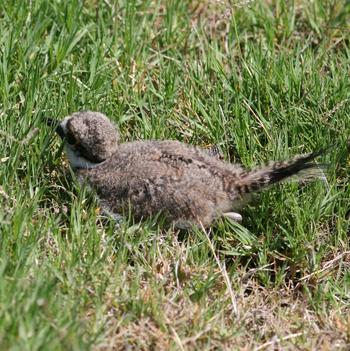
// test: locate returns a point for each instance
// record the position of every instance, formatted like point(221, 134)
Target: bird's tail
point(300, 168)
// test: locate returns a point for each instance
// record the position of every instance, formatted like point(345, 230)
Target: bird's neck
point(79, 162)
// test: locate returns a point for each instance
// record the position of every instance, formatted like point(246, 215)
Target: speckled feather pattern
point(182, 182)
point(187, 184)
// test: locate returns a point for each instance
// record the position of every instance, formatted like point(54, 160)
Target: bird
point(187, 184)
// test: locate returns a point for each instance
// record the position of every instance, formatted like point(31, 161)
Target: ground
point(262, 80)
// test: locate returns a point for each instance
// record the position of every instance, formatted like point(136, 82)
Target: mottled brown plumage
point(184, 183)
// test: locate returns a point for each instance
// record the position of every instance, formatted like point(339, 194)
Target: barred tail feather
point(300, 168)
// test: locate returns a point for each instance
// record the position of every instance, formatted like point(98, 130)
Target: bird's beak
point(55, 123)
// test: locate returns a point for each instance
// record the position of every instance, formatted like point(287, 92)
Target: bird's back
point(182, 181)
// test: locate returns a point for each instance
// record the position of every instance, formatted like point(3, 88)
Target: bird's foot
point(236, 217)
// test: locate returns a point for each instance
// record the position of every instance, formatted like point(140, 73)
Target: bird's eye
point(70, 139)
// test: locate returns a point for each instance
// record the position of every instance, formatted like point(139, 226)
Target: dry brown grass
point(277, 318)
point(268, 319)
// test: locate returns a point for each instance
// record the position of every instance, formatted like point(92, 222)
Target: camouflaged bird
point(184, 183)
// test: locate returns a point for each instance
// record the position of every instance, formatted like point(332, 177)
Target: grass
point(263, 80)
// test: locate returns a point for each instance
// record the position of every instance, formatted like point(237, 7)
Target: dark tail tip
point(293, 167)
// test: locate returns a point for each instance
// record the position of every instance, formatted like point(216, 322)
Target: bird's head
point(90, 138)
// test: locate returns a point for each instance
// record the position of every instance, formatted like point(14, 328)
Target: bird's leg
point(233, 216)
point(115, 216)
point(106, 211)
